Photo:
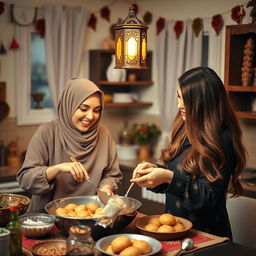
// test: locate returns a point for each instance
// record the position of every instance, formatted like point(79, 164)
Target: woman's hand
point(76, 169)
point(108, 189)
point(152, 176)
point(143, 165)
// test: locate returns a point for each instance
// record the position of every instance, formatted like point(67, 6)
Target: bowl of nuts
point(35, 225)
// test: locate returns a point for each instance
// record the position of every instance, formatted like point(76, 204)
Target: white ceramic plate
point(105, 241)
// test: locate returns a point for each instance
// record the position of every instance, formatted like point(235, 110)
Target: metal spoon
point(187, 244)
point(128, 190)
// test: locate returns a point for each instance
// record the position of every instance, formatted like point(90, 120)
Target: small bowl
point(36, 224)
point(142, 222)
point(105, 241)
point(53, 247)
point(12, 199)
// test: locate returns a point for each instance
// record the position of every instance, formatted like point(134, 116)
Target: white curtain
point(64, 38)
point(173, 57)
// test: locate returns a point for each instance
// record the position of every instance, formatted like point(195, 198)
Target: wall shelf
point(129, 104)
point(99, 63)
point(135, 83)
point(242, 97)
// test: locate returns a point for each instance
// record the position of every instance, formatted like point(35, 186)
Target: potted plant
point(144, 135)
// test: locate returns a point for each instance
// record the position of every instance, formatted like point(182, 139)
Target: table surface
point(223, 248)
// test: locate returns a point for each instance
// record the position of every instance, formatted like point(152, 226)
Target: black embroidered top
point(200, 201)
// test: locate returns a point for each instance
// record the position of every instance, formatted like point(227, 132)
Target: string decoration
point(147, 18)
point(1, 8)
point(2, 49)
point(105, 13)
point(217, 23)
point(14, 44)
point(92, 22)
point(241, 14)
point(160, 24)
point(40, 27)
point(178, 28)
point(197, 26)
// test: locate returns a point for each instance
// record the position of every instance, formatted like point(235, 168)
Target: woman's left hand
point(108, 189)
point(152, 177)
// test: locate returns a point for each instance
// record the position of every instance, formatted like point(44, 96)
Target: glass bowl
point(36, 224)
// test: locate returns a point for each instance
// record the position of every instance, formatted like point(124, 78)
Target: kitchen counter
point(8, 174)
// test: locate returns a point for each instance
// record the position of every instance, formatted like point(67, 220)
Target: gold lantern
point(131, 42)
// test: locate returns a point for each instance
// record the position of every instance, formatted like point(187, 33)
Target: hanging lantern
point(131, 42)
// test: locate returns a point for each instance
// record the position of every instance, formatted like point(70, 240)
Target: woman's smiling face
point(88, 113)
point(181, 106)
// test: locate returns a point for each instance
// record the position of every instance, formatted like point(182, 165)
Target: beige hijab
point(76, 143)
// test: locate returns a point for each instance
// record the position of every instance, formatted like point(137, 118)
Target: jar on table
point(80, 242)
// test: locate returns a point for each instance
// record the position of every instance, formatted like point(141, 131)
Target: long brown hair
point(208, 111)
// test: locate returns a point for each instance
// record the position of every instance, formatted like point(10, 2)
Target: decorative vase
point(115, 75)
point(144, 152)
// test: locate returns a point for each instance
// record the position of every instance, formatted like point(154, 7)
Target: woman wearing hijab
point(47, 172)
point(204, 156)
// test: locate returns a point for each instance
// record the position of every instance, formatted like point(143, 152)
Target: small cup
point(132, 77)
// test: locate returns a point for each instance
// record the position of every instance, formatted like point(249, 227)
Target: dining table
point(205, 244)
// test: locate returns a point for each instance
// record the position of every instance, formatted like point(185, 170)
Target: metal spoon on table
point(187, 244)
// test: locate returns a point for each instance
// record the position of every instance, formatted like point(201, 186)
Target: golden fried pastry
point(155, 221)
point(109, 249)
point(142, 245)
point(165, 229)
point(80, 207)
point(61, 212)
point(178, 227)
point(131, 251)
point(120, 243)
point(92, 206)
point(167, 219)
point(70, 206)
point(151, 227)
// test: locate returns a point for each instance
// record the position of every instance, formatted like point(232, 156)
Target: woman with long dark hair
point(204, 157)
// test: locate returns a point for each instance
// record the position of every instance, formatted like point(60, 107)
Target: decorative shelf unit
point(241, 96)
point(100, 61)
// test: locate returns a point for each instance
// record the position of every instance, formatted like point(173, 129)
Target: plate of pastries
point(163, 227)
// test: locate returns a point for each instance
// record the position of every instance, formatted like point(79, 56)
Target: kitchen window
point(31, 79)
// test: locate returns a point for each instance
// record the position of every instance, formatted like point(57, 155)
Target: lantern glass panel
point(119, 48)
point(132, 48)
point(144, 49)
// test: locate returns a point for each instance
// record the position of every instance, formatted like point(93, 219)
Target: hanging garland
point(160, 24)
point(197, 26)
point(40, 27)
point(237, 15)
point(105, 13)
point(178, 28)
point(217, 23)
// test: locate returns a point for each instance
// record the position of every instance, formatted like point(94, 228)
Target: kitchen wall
point(114, 119)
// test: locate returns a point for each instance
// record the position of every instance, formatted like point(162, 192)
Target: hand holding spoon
point(187, 244)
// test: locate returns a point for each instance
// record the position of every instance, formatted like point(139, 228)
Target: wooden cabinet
point(241, 96)
point(100, 61)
